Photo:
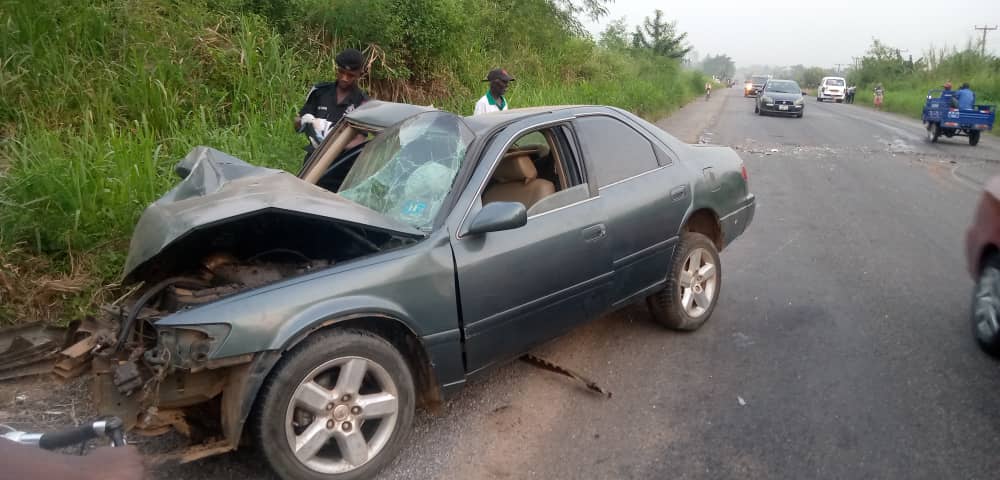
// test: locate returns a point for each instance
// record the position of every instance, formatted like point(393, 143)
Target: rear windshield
point(835, 82)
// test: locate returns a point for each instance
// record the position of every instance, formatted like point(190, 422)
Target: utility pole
point(838, 65)
point(985, 29)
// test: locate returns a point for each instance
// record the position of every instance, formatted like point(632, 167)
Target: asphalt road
point(840, 347)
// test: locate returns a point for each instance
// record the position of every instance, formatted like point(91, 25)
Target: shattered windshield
point(407, 171)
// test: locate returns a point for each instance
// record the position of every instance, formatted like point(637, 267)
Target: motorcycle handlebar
point(113, 428)
point(66, 438)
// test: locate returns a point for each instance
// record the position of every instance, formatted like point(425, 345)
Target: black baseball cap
point(498, 74)
point(350, 59)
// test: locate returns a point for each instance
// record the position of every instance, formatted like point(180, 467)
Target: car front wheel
point(693, 285)
point(337, 407)
point(986, 306)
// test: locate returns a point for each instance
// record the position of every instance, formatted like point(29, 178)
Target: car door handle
point(678, 193)
point(594, 232)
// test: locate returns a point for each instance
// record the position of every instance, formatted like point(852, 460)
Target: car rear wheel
point(974, 138)
point(337, 407)
point(693, 285)
point(986, 306)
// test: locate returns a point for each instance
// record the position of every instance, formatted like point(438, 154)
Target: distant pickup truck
point(941, 117)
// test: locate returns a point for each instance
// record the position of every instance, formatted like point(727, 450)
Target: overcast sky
point(815, 32)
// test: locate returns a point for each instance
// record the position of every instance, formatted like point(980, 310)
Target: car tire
point(974, 138)
point(985, 311)
point(678, 305)
point(933, 132)
point(316, 368)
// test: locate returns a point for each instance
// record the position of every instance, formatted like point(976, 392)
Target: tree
point(720, 65)
point(661, 37)
point(615, 36)
point(811, 76)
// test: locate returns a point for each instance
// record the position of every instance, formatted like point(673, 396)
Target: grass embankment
point(99, 99)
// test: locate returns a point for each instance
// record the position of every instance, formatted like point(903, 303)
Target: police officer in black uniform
point(331, 100)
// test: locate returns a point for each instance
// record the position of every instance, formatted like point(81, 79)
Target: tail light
point(951, 124)
point(743, 172)
point(982, 127)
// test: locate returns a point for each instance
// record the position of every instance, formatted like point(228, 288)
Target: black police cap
point(350, 59)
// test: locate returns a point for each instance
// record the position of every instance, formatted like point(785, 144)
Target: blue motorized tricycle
point(943, 117)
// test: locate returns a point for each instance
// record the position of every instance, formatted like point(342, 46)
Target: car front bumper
point(791, 110)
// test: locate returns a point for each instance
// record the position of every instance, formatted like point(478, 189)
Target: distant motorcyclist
point(966, 97)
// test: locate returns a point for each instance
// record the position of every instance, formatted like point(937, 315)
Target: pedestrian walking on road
point(879, 96)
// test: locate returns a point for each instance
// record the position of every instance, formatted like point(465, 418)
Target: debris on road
point(552, 367)
point(743, 403)
point(29, 349)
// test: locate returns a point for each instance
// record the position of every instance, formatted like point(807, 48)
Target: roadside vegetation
point(100, 98)
point(906, 81)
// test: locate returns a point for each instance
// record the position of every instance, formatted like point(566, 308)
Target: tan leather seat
point(516, 180)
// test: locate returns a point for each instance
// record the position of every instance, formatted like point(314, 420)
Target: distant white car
point(831, 88)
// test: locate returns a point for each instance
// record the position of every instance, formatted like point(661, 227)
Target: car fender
point(240, 393)
point(336, 310)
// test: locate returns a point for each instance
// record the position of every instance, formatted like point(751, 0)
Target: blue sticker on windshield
point(414, 208)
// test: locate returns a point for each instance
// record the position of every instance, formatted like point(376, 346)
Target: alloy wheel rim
point(698, 282)
point(341, 415)
point(986, 308)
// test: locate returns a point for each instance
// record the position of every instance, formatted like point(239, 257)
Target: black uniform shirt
point(321, 102)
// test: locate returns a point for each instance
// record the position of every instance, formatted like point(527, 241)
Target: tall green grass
point(100, 98)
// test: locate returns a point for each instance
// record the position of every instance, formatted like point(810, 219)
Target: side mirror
point(498, 216)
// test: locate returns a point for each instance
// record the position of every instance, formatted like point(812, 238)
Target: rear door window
point(614, 150)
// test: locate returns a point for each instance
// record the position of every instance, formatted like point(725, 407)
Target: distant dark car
point(311, 315)
point(754, 85)
point(982, 252)
point(780, 97)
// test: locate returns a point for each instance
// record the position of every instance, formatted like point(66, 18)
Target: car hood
point(218, 187)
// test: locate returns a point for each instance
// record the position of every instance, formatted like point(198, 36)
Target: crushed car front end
point(238, 264)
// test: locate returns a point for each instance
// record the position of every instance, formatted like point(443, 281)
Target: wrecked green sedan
point(310, 315)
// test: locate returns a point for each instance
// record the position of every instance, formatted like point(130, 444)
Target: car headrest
point(516, 169)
